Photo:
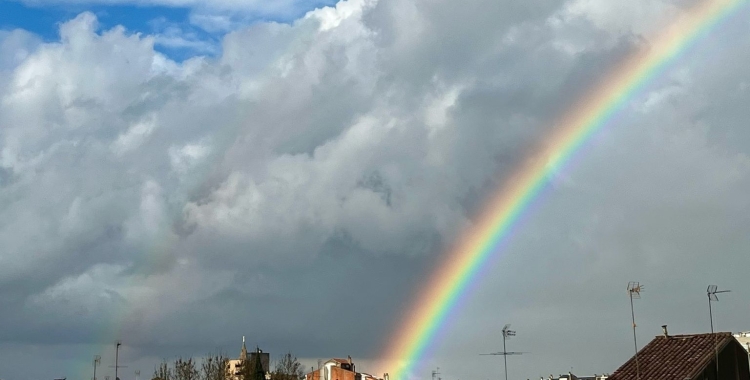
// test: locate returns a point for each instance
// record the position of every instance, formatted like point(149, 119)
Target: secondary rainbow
point(450, 282)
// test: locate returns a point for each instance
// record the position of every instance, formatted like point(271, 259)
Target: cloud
point(299, 185)
point(638, 17)
point(18, 42)
point(214, 23)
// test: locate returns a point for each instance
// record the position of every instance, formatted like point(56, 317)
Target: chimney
point(385, 376)
point(350, 359)
point(664, 330)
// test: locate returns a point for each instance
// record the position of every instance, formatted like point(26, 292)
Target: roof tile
point(673, 357)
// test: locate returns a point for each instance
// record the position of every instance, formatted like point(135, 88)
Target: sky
point(177, 174)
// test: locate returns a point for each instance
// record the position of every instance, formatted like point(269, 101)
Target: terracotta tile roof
point(675, 357)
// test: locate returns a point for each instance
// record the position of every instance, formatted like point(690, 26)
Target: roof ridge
point(722, 333)
point(661, 355)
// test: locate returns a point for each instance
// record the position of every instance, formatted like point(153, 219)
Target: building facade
point(234, 366)
point(340, 369)
point(744, 339)
point(570, 376)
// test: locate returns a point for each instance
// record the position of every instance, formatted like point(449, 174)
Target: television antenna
point(634, 291)
point(97, 361)
point(712, 292)
point(507, 333)
point(435, 373)
point(118, 343)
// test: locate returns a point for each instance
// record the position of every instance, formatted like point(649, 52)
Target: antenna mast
point(711, 292)
point(118, 343)
point(97, 361)
point(507, 333)
point(634, 291)
point(117, 357)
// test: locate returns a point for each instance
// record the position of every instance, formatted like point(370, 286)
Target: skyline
point(433, 372)
point(296, 168)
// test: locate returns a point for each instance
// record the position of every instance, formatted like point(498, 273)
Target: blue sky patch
point(178, 37)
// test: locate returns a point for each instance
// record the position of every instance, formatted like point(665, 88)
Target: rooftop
point(674, 357)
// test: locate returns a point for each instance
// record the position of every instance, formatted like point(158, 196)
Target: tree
point(163, 372)
point(258, 372)
point(185, 369)
point(288, 368)
point(252, 368)
point(214, 367)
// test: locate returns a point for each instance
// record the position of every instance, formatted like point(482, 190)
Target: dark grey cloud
point(299, 188)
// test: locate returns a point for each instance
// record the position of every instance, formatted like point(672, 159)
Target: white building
point(570, 376)
point(234, 366)
point(744, 339)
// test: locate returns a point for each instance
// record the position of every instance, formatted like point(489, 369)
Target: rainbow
point(450, 282)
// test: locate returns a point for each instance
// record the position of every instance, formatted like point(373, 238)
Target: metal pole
point(95, 367)
point(710, 314)
point(117, 357)
point(716, 350)
point(711, 292)
point(635, 342)
point(505, 357)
